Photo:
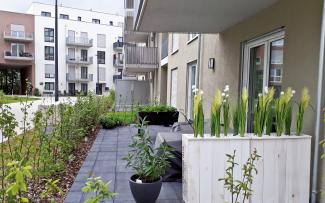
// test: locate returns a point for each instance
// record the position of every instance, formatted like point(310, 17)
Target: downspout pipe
point(198, 69)
point(318, 109)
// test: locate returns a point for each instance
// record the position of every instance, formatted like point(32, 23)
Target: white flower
point(193, 87)
point(260, 94)
point(195, 90)
point(223, 94)
point(226, 88)
point(201, 92)
point(227, 95)
point(282, 93)
point(224, 101)
point(293, 91)
point(266, 89)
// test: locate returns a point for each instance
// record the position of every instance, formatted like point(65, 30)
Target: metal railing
point(18, 56)
point(79, 41)
point(79, 78)
point(117, 62)
point(79, 60)
point(18, 35)
point(141, 55)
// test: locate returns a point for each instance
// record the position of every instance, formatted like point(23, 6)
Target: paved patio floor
point(104, 159)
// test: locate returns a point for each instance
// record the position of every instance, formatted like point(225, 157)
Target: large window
point(173, 88)
point(96, 21)
point(49, 86)
point(64, 16)
point(101, 40)
point(46, 14)
point(49, 53)
point(175, 42)
point(49, 34)
point(263, 67)
point(17, 30)
point(79, 18)
point(17, 49)
point(49, 71)
point(84, 72)
point(84, 87)
point(84, 55)
point(101, 57)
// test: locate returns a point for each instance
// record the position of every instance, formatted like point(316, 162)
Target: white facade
point(84, 30)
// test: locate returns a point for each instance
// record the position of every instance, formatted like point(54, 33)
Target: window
point(49, 53)
point(175, 42)
point(101, 40)
point(111, 23)
point(49, 34)
point(96, 21)
point(17, 49)
point(275, 75)
point(49, 86)
point(192, 36)
point(64, 16)
point(84, 87)
point(84, 55)
point(49, 71)
point(173, 87)
point(17, 30)
point(84, 72)
point(46, 14)
point(79, 18)
point(191, 84)
point(101, 57)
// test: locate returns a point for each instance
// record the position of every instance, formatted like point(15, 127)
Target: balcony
point(18, 36)
point(79, 78)
point(117, 77)
point(23, 56)
point(204, 16)
point(141, 59)
point(118, 45)
point(79, 42)
point(79, 60)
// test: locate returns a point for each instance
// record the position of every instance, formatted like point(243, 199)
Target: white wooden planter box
point(283, 170)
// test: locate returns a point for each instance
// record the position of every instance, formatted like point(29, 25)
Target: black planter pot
point(145, 192)
point(160, 118)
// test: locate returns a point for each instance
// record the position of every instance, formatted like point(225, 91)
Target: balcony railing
point(79, 78)
point(79, 41)
point(80, 60)
point(118, 45)
point(117, 62)
point(141, 59)
point(22, 56)
point(18, 36)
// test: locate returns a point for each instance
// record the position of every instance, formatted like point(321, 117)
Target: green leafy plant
point(262, 111)
point(148, 163)
point(303, 104)
point(282, 108)
point(156, 108)
point(235, 120)
point(198, 114)
point(226, 110)
point(242, 187)
point(17, 188)
point(99, 188)
point(114, 119)
point(215, 114)
point(51, 189)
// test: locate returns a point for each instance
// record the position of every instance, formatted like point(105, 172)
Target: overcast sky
point(110, 6)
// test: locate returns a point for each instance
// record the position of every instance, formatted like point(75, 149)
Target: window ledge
point(174, 52)
point(193, 39)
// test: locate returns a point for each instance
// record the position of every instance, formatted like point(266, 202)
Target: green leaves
point(303, 104)
point(149, 163)
point(198, 115)
point(99, 188)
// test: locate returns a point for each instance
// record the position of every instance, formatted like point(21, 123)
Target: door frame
point(188, 66)
point(171, 85)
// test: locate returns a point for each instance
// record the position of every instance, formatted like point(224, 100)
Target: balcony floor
point(104, 159)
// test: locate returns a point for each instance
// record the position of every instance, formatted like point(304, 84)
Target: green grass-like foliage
point(149, 163)
point(303, 104)
point(113, 119)
point(262, 111)
point(99, 188)
point(242, 112)
point(282, 108)
point(215, 114)
point(240, 188)
point(156, 108)
point(198, 115)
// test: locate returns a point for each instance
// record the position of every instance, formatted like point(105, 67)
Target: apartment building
point(16, 52)
point(86, 52)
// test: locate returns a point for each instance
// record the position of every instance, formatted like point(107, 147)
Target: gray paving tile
point(77, 186)
point(73, 197)
point(104, 166)
point(106, 156)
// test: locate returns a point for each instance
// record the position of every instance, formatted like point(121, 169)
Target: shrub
point(37, 92)
point(156, 108)
point(113, 119)
point(198, 115)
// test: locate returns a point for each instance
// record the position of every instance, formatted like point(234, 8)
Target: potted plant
point(158, 114)
point(149, 165)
